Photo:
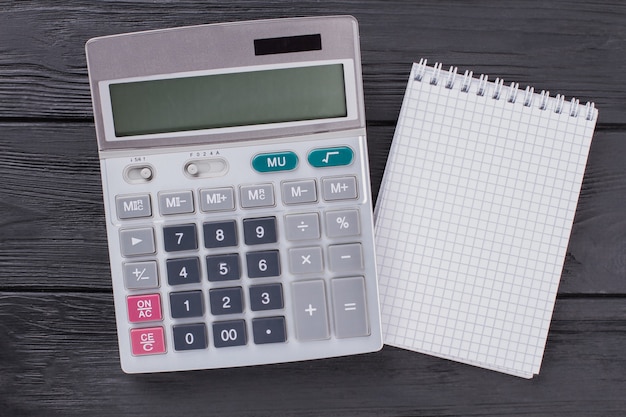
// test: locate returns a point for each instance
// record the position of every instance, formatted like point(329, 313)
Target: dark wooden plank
point(566, 46)
point(52, 232)
point(59, 358)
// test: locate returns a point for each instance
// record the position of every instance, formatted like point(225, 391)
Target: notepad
point(474, 215)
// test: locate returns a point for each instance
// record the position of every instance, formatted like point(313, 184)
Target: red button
point(149, 341)
point(145, 307)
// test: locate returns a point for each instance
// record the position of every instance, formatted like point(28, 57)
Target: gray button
point(342, 223)
point(341, 188)
point(258, 195)
point(309, 303)
point(345, 258)
point(305, 260)
point(140, 275)
point(217, 199)
point(177, 202)
point(131, 207)
point(299, 192)
point(350, 310)
point(137, 241)
point(302, 226)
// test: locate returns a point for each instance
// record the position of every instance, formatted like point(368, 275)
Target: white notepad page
point(474, 215)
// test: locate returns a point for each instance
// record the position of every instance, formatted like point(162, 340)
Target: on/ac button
point(275, 161)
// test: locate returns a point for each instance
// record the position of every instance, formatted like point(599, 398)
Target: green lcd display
point(228, 100)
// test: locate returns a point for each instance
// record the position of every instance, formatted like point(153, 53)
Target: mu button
point(277, 161)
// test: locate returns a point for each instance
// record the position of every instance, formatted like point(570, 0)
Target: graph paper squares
point(472, 223)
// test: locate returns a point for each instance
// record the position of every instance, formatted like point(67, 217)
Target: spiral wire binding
point(510, 95)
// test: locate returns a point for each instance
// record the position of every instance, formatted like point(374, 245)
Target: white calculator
point(236, 191)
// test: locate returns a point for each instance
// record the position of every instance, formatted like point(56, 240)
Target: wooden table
point(58, 347)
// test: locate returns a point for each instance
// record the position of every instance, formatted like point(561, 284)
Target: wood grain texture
point(59, 358)
point(575, 48)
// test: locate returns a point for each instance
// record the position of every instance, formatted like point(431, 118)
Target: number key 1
point(186, 304)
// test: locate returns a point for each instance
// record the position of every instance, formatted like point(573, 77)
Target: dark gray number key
point(226, 300)
point(263, 264)
point(229, 333)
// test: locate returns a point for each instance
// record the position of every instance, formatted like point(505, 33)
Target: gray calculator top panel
point(217, 46)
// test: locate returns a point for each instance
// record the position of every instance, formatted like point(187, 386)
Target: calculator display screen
point(228, 100)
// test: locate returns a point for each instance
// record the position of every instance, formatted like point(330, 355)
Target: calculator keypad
point(276, 259)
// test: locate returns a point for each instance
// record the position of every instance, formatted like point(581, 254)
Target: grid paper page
point(473, 220)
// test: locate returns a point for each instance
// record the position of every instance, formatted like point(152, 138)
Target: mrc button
point(132, 207)
point(275, 161)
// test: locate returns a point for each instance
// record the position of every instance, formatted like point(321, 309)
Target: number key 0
point(190, 336)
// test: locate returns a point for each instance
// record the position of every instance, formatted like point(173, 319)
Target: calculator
point(236, 192)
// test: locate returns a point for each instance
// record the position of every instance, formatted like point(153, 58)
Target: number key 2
point(226, 300)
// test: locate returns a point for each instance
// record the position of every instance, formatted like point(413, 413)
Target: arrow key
point(135, 242)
